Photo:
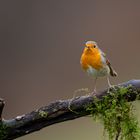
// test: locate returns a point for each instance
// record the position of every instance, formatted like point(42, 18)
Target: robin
point(95, 63)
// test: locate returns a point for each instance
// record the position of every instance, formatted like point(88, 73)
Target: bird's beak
point(87, 46)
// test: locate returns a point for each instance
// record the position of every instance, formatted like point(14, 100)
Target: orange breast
point(91, 58)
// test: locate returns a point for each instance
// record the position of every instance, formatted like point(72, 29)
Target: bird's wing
point(112, 71)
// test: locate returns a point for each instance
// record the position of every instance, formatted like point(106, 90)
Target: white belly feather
point(98, 73)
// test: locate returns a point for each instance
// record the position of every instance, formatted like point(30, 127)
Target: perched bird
point(95, 63)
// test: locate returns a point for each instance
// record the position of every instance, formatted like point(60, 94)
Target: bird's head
point(91, 46)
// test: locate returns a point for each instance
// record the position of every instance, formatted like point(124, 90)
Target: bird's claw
point(111, 88)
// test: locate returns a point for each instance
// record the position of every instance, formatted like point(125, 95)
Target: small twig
point(118, 130)
point(118, 134)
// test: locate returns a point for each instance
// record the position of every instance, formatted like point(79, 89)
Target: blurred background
point(41, 42)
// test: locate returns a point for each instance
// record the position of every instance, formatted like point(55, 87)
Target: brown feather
point(112, 71)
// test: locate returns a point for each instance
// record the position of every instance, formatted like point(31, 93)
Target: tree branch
point(56, 112)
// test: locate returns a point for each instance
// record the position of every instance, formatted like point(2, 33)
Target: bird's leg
point(108, 81)
point(109, 84)
point(94, 90)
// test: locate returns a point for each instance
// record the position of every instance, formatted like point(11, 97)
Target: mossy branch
point(56, 112)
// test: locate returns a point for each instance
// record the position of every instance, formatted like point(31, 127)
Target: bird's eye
point(94, 46)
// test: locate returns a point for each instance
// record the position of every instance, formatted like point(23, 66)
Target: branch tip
point(2, 103)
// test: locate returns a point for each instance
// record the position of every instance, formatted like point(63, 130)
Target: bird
point(94, 62)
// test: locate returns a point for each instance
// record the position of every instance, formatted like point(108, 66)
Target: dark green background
point(41, 42)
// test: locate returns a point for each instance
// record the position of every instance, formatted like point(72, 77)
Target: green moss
point(116, 114)
point(43, 114)
point(3, 131)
